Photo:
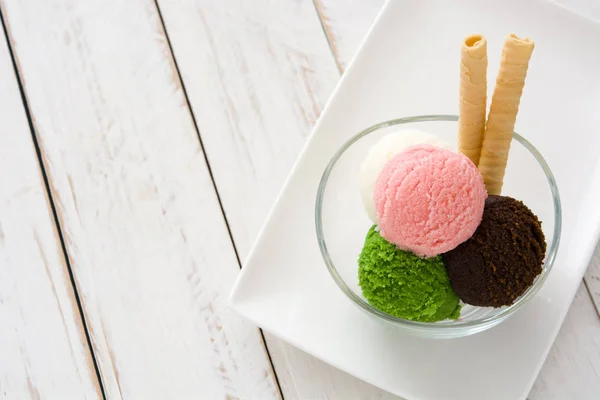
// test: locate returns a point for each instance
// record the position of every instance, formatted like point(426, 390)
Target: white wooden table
point(142, 144)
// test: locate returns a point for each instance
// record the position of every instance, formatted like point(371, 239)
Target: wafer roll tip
point(474, 40)
point(519, 41)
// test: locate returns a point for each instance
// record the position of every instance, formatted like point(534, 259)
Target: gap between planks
point(265, 88)
point(212, 178)
point(328, 35)
point(55, 217)
point(100, 108)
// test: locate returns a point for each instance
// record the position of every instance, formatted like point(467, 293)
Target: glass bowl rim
point(529, 294)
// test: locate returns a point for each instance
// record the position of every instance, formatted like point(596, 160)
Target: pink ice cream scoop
point(429, 200)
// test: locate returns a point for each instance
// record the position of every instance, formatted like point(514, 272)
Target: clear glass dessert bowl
point(342, 223)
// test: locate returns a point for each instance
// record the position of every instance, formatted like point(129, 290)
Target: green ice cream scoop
point(404, 285)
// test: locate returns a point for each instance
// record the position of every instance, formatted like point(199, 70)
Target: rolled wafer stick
point(503, 111)
point(473, 96)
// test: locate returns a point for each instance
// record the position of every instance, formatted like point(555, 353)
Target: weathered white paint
point(139, 214)
point(43, 350)
point(346, 24)
point(142, 225)
point(258, 74)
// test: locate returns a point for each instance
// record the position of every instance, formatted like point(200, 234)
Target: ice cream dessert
point(429, 200)
point(501, 260)
point(404, 285)
point(387, 147)
point(438, 238)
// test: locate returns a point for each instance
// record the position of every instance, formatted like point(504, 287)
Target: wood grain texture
point(43, 350)
point(258, 74)
point(572, 369)
point(346, 24)
point(141, 221)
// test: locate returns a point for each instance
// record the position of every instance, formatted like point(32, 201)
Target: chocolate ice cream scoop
point(502, 258)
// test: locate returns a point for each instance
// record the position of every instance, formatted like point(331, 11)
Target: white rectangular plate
point(408, 65)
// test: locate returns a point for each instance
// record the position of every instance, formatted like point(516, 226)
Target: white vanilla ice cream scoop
point(386, 148)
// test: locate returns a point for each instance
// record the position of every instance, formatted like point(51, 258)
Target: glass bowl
point(342, 223)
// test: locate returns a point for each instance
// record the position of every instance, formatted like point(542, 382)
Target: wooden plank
point(43, 347)
point(141, 221)
point(346, 23)
point(572, 370)
point(258, 74)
